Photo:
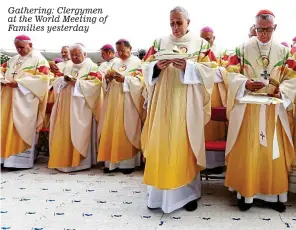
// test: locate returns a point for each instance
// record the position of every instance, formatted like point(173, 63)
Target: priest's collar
point(26, 56)
point(185, 38)
point(78, 66)
point(126, 58)
point(263, 44)
point(111, 59)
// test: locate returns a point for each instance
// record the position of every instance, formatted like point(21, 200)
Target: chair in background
point(218, 146)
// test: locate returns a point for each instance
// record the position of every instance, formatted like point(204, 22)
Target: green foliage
point(4, 58)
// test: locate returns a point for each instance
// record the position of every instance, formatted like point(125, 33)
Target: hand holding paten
point(179, 64)
point(254, 85)
point(118, 77)
point(12, 84)
point(276, 93)
point(163, 64)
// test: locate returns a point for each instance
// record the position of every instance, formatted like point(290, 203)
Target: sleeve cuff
point(125, 86)
point(23, 89)
point(151, 80)
point(242, 91)
point(286, 100)
point(218, 78)
point(191, 74)
point(77, 90)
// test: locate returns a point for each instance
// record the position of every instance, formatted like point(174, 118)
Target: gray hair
point(182, 10)
point(65, 47)
point(77, 46)
point(26, 41)
point(265, 17)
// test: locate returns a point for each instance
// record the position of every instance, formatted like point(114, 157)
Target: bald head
point(207, 33)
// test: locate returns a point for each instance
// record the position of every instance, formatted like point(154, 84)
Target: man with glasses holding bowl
point(259, 151)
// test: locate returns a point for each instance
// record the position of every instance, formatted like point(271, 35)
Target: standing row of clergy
point(106, 106)
point(90, 108)
point(171, 126)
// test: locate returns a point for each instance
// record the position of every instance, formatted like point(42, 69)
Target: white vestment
point(125, 164)
point(173, 199)
point(91, 156)
point(23, 95)
point(63, 65)
point(106, 65)
point(115, 63)
point(237, 118)
point(22, 160)
point(292, 177)
point(85, 67)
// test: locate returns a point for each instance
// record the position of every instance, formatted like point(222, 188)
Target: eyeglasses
point(120, 51)
point(268, 29)
point(177, 23)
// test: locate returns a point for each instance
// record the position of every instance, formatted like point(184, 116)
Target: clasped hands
point(254, 86)
point(70, 80)
point(55, 70)
point(177, 63)
point(114, 75)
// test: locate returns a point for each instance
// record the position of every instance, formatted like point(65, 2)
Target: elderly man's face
point(107, 55)
point(264, 29)
point(123, 51)
point(23, 48)
point(208, 36)
point(65, 53)
point(179, 24)
point(77, 56)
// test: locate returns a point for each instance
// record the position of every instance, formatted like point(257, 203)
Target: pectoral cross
point(265, 74)
point(13, 74)
point(262, 135)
